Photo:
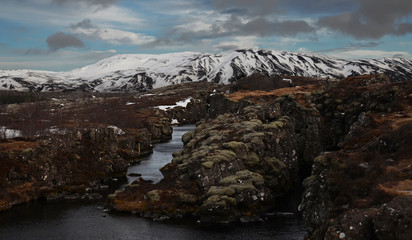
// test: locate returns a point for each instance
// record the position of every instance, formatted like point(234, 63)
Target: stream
point(62, 219)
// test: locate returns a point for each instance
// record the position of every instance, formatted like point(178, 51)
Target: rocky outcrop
point(67, 164)
point(349, 191)
point(234, 166)
point(74, 141)
point(351, 138)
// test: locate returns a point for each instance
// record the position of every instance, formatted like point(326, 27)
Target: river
point(75, 220)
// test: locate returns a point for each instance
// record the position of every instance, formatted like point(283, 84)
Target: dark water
point(162, 154)
point(79, 220)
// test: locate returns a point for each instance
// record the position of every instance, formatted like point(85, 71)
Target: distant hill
point(138, 72)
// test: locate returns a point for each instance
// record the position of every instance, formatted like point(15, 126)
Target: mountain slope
point(135, 72)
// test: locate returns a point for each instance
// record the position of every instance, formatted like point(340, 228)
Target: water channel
point(67, 220)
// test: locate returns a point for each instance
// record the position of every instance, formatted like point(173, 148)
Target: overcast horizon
point(60, 35)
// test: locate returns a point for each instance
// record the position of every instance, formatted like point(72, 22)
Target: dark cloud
point(267, 7)
point(62, 40)
point(319, 6)
point(372, 20)
point(235, 27)
point(85, 24)
point(236, 11)
point(227, 47)
point(362, 19)
point(364, 44)
point(261, 7)
point(264, 27)
point(354, 46)
point(102, 3)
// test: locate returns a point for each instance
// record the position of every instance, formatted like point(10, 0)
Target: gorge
point(347, 141)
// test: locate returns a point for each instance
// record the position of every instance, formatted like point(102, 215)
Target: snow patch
point(182, 103)
point(287, 80)
point(9, 133)
point(116, 130)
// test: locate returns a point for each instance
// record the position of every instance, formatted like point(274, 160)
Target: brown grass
point(277, 92)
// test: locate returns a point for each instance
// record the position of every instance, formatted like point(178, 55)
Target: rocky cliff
point(361, 188)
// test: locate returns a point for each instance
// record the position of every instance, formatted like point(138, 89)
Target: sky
point(60, 35)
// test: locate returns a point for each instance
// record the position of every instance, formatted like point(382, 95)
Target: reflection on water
point(162, 154)
point(77, 221)
point(68, 220)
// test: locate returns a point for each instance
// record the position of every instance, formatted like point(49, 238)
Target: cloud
point(282, 7)
point(62, 40)
point(353, 47)
point(260, 7)
point(233, 26)
point(364, 44)
point(42, 13)
point(360, 50)
point(264, 27)
point(237, 43)
point(86, 23)
point(357, 54)
point(373, 19)
point(102, 3)
point(362, 19)
point(114, 36)
point(319, 6)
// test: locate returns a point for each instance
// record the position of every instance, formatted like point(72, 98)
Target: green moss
point(177, 153)
point(188, 136)
point(188, 198)
point(322, 159)
point(251, 160)
point(310, 181)
point(177, 160)
point(248, 187)
point(253, 124)
point(201, 152)
point(221, 156)
point(254, 135)
point(220, 200)
point(235, 146)
point(244, 176)
point(154, 195)
point(208, 164)
point(275, 167)
point(273, 126)
point(215, 138)
point(217, 190)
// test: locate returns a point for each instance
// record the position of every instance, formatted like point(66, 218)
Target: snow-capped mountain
point(136, 72)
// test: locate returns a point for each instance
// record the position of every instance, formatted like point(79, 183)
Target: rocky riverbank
point(94, 140)
point(68, 165)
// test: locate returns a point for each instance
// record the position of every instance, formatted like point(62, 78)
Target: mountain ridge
point(140, 72)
